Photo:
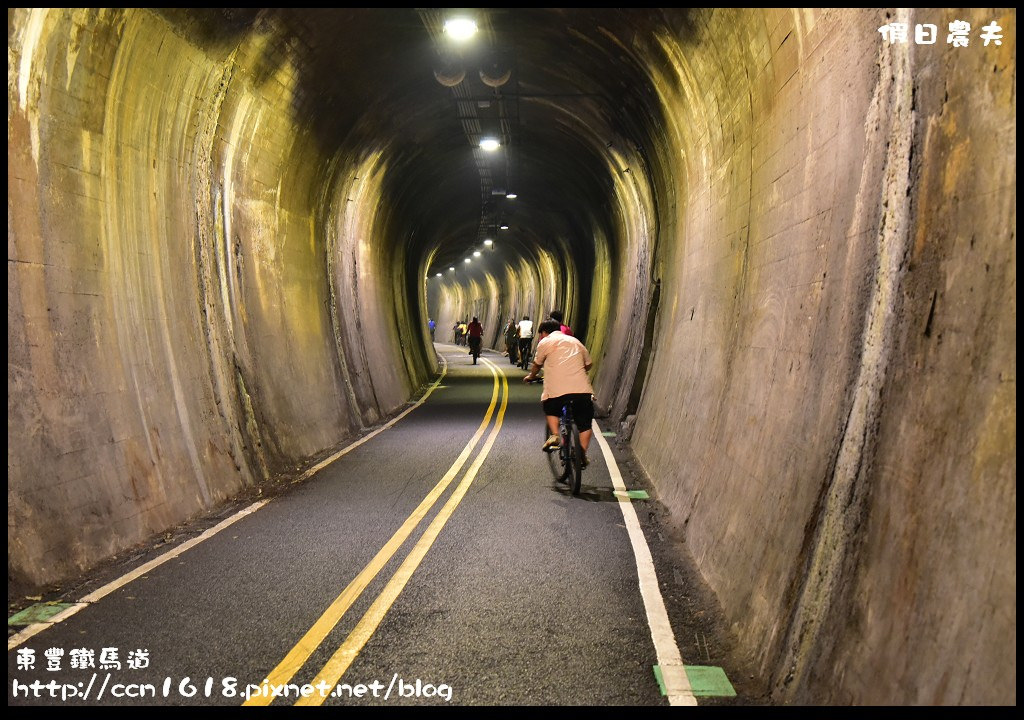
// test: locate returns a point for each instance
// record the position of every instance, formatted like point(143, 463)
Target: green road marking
point(660, 679)
point(40, 612)
point(610, 434)
point(709, 681)
point(632, 494)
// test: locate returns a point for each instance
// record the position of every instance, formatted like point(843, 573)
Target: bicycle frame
point(569, 449)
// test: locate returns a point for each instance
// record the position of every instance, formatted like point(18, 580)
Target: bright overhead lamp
point(467, 261)
point(460, 29)
point(503, 227)
point(476, 253)
point(489, 144)
point(439, 274)
point(511, 196)
point(452, 269)
point(488, 243)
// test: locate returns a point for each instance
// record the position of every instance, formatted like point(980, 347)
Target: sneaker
point(550, 444)
point(584, 460)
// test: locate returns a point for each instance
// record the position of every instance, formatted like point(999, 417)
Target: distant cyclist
point(525, 336)
point(512, 341)
point(565, 361)
point(476, 336)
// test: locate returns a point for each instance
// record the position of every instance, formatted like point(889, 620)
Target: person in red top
point(476, 333)
point(563, 328)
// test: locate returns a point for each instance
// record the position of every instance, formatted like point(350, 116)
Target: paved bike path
point(527, 596)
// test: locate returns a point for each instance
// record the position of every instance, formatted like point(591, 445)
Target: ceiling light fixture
point(439, 274)
point(476, 253)
point(488, 243)
point(467, 261)
point(503, 227)
point(460, 29)
point(489, 144)
point(452, 269)
point(511, 196)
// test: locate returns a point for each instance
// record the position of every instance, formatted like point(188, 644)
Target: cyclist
point(565, 361)
point(512, 341)
point(525, 337)
point(476, 336)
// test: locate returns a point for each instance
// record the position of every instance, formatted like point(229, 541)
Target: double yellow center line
point(367, 625)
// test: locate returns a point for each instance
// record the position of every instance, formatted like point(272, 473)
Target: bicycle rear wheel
point(576, 466)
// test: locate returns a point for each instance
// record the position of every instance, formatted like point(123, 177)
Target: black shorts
point(582, 408)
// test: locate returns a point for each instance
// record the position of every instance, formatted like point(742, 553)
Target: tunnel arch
point(788, 245)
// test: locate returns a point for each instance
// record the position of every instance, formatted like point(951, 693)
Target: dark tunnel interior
point(788, 245)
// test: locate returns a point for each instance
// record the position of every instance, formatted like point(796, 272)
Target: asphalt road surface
point(438, 562)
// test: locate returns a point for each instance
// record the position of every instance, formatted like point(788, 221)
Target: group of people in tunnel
point(459, 330)
point(519, 335)
point(564, 359)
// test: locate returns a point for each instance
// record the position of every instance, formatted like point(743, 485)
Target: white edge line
point(677, 684)
point(34, 629)
point(324, 463)
point(94, 596)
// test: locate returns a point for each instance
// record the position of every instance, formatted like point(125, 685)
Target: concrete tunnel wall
point(830, 409)
point(188, 302)
point(800, 292)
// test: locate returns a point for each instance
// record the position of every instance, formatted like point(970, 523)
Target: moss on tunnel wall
point(183, 318)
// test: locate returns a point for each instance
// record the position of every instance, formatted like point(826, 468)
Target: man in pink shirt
point(565, 361)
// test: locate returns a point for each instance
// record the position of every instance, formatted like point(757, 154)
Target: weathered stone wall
point(830, 410)
point(174, 331)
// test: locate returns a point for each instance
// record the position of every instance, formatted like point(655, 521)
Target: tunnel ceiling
point(368, 81)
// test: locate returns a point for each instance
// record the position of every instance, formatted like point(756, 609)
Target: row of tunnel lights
point(461, 30)
point(476, 253)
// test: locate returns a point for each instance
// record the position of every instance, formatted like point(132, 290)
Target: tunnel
point(787, 240)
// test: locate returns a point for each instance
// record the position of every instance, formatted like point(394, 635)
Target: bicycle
point(569, 453)
point(524, 354)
